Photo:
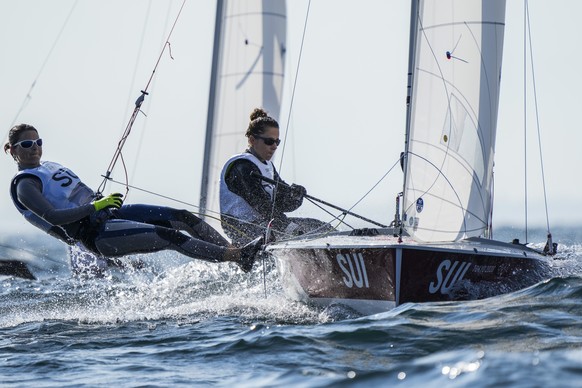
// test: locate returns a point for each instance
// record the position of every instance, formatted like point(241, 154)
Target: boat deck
point(386, 239)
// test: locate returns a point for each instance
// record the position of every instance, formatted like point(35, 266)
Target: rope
point(135, 70)
point(291, 103)
point(287, 132)
point(220, 217)
point(376, 184)
point(295, 84)
point(28, 96)
point(358, 201)
point(137, 109)
point(537, 121)
point(344, 214)
point(142, 131)
point(216, 216)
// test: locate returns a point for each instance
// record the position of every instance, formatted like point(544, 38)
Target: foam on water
point(183, 322)
point(174, 287)
point(191, 291)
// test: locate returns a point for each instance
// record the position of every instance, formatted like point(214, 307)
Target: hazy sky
point(346, 126)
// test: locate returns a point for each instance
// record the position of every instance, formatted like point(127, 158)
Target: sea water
point(178, 322)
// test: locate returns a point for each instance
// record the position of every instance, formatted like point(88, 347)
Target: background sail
point(451, 138)
point(248, 69)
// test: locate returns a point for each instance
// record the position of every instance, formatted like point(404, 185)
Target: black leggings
point(144, 228)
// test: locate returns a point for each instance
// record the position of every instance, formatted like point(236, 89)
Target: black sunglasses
point(268, 140)
point(28, 143)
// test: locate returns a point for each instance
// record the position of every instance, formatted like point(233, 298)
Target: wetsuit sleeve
point(239, 180)
point(287, 198)
point(29, 194)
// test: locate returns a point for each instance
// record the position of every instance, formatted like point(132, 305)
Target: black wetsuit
point(118, 232)
point(240, 180)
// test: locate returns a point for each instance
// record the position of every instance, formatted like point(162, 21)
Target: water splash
point(172, 287)
point(161, 291)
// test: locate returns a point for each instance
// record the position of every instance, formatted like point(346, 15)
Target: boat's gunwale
point(477, 246)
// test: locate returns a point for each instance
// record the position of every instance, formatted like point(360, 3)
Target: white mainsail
point(247, 72)
point(456, 69)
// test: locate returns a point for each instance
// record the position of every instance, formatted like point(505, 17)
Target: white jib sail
point(248, 70)
point(453, 118)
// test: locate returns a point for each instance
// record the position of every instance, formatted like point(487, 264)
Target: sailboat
point(438, 248)
point(247, 72)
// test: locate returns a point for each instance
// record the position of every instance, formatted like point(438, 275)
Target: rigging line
point(344, 214)
point(490, 227)
point(137, 108)
point(125, 173)
point(152, 193)
point(295, 83)
point(376, 184)
point(217, 216)
point(537, 119)
point(132, 85)
point(525, 116)
point(144, 124)
point(29, 94)
point(292, 100)
point(139, 52)
point(275, 182)
point(311, 235)
point(135, 69)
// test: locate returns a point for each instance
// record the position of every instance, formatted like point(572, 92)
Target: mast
point(409, 88)
point(211, 107)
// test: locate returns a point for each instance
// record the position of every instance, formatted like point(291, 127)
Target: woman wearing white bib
point(54, 199)
point(248, 203)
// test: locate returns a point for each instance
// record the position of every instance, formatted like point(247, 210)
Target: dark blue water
point(183, 323)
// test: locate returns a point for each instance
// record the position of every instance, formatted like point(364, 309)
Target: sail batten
point(452, 121)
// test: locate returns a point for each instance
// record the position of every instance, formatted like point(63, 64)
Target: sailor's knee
point(186, 217)
point(171, 235)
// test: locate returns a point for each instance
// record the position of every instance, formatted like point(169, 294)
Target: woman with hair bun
point(248, 203)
